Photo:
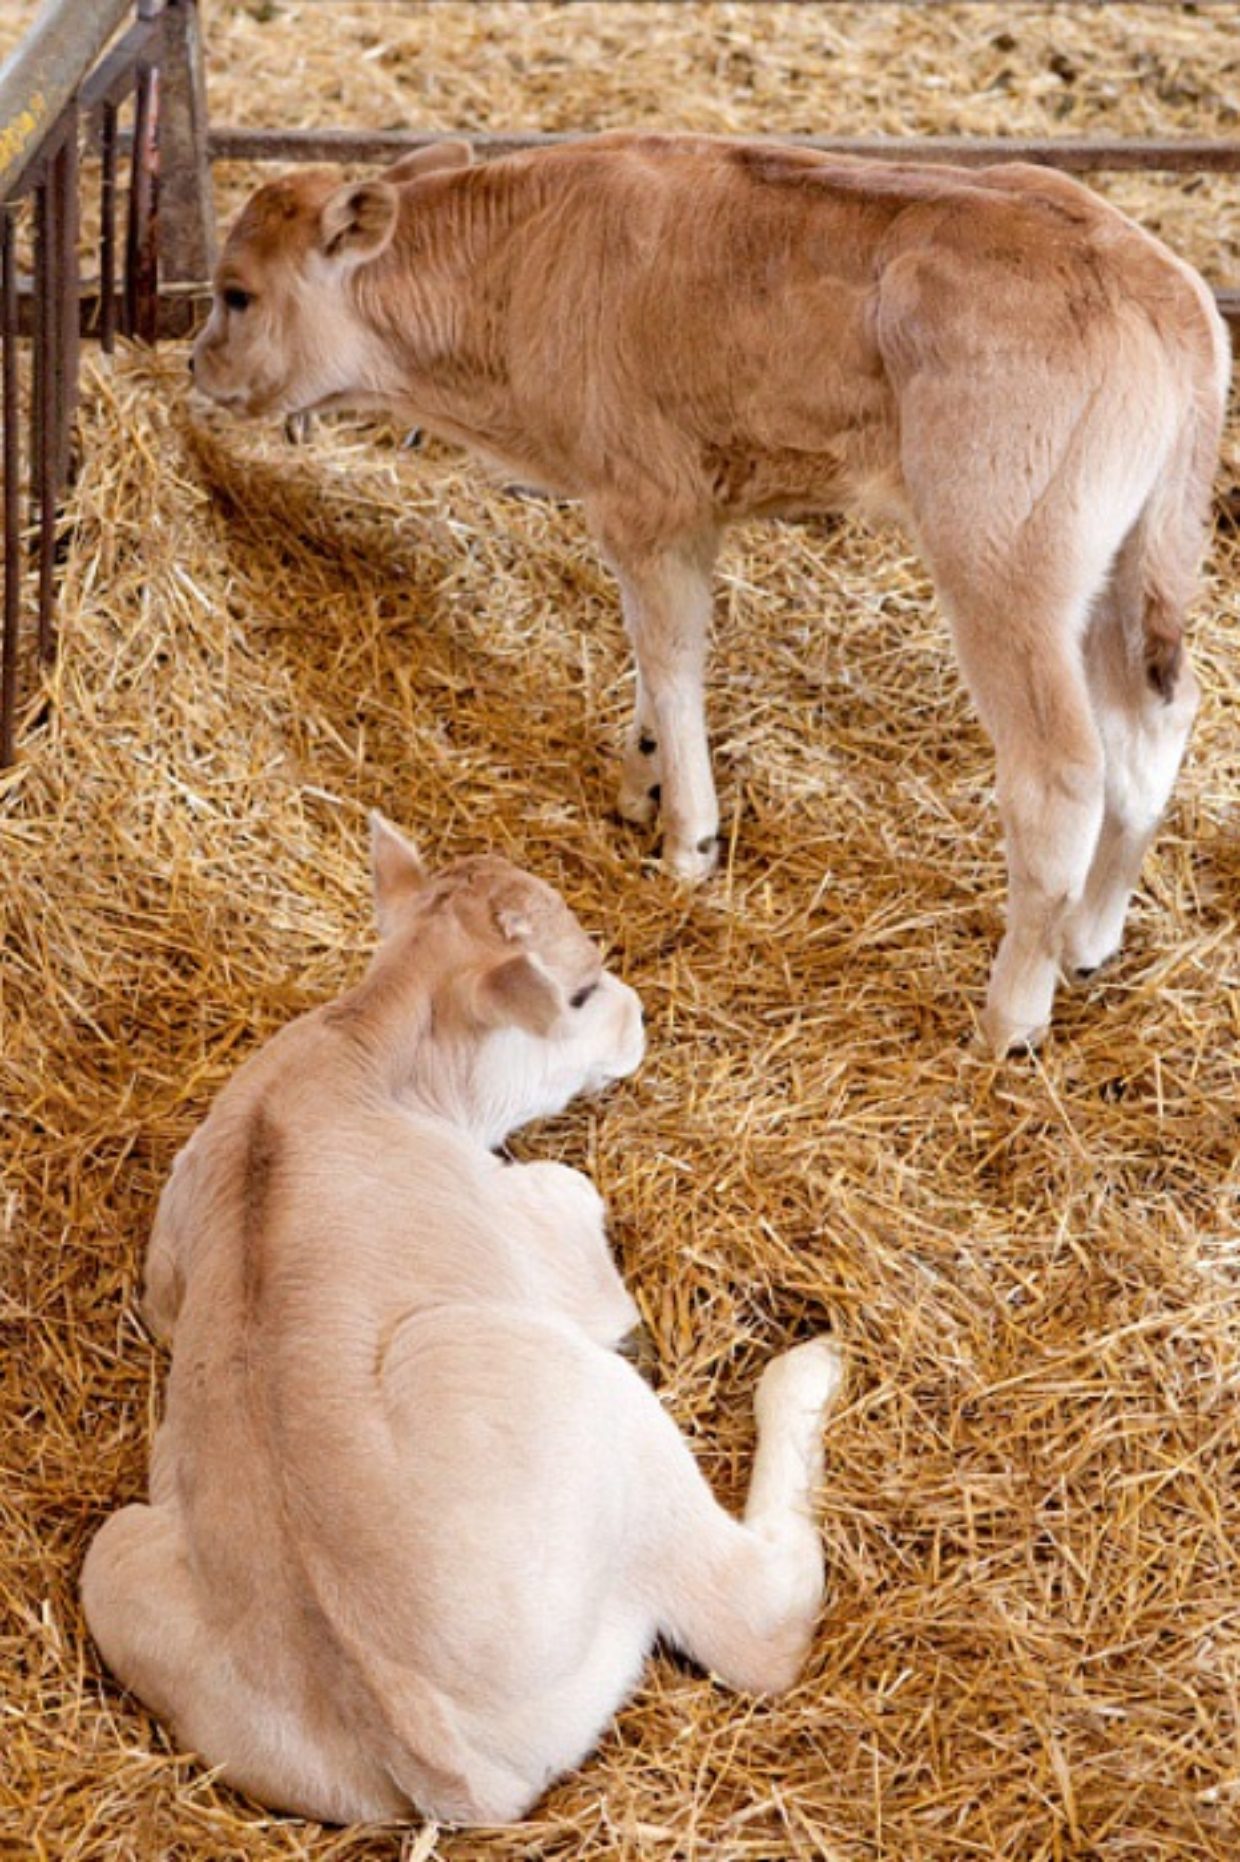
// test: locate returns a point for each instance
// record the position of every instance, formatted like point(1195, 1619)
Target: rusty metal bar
point(43, 403)
point(55, 75)
point(112, 79)
point(142, 239)
point(39, 303)
point(68, 343)
point(187, 219)
point(1077, 154)
point(12, 488)
point(180, 309)
point(107, 232)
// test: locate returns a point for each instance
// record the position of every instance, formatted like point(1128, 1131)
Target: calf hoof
point(1005, 1036)
point(1091, 937)
point(1080, 967)
point(639, 806)
point(802, 1382)
point(692, 860)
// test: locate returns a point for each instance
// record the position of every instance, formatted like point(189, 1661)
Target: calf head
point(285, 333)
point(487, 994)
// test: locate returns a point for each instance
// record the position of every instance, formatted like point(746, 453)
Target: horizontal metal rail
point(112, 78)
point(1077, 154)
point(45, 73)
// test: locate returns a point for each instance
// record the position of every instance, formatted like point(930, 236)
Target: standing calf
point(682, 333)
point(414, 1524)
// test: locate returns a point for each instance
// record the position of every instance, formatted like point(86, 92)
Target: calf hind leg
point(140, 1602)
point(1144, 732)
point(1034, 701)
point(137, 1598)
point(1025, 478)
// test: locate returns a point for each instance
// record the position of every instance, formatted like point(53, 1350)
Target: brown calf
point(682, 333)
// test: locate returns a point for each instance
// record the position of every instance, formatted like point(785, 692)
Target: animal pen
point(58, 83)
point(220, 649)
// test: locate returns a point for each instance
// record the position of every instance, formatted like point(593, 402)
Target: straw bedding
point(1032, 1644)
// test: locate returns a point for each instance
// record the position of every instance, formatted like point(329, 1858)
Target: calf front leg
point(565, 1221)
point(641, 772)
point(666, 596)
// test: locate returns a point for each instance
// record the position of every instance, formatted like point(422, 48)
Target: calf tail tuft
point(1163, 550)
point(1163, 658)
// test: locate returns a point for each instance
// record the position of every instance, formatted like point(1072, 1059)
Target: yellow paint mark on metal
point(17, 134)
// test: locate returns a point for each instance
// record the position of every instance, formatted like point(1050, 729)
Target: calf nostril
point(192, 362)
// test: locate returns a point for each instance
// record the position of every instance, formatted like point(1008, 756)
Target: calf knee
point(1051, 817)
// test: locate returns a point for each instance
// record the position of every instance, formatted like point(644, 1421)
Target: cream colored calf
point(682, 333)
point(414, 1524)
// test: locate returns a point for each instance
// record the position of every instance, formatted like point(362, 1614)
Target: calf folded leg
point(566, 1223)
point(742, 1597)
point(143, 1610)
point(138, 1598)
point(563, 1448)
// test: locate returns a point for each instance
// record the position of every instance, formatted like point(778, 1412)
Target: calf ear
point(517, 991)
point(426, 160)
point(357, 221)
point(396, 870)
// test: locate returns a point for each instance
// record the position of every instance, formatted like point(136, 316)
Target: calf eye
point(237, 299)
point(582, 996)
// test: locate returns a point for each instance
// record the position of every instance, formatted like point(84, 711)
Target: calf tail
point(1156, 570)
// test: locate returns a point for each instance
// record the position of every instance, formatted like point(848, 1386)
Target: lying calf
point(414, 1524)
point(682, 333)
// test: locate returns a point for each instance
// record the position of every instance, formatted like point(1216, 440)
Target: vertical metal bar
point(69, 356)
point(142, 241)
point(12, 491)
point(187, 225)
point(46, 435)
point(127, 280)
point(107, 236)
point(38, 318)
